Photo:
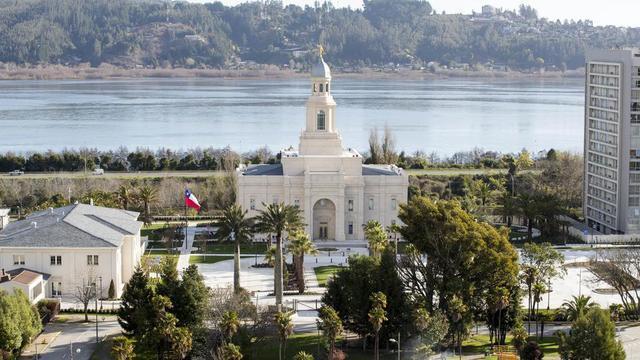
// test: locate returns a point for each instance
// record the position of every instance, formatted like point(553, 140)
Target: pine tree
point(112, 290)
point(190, 301)
point(136, 300)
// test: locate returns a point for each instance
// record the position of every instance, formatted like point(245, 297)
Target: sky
point(611, 12)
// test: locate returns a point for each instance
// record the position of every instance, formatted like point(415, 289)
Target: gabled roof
point(264, 169)
point(78, 225)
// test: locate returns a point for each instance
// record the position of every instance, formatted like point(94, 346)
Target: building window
point(320, 121)
point(18, 259)
point(327, 87)
point(56, 288)
point(92, 259)
point(394, 204)
point(350, 206)
point(321, 87)
point(315, 88)
point(56, 260)
point(296, 202)
point(371, 204)
point(350, 227)
point(252, 204)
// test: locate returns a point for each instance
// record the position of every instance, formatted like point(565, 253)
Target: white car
point(16, 173)
point(98, 171)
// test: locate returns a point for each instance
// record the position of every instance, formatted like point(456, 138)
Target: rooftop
point(384, 170)
point(77, 225)
point(321, 69)
point(22, 275)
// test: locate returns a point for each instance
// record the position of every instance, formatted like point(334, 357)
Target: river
point(442, 115)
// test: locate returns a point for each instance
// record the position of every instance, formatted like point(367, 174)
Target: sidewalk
point(187, 246)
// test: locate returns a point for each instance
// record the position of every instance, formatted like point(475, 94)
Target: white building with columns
point(336, 191)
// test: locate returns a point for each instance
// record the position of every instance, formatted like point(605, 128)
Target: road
point(77, 336)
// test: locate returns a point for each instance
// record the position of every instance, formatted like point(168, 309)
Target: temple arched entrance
point(324, 220)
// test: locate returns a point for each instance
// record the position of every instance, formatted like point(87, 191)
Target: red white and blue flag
point(190, 200)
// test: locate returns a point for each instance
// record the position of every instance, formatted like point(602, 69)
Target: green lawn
point(308, 342)
point(477, 344)
point(323, 273)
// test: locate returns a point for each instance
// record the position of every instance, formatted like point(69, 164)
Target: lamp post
point(397, 342)
point(101, 295)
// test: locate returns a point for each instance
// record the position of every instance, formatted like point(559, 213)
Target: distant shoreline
point(108, 72)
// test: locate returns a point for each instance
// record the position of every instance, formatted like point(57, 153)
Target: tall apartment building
point(612, 141)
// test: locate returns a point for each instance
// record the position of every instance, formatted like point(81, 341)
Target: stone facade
point(336, 191)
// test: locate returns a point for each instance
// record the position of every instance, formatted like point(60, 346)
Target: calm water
point(436, 115)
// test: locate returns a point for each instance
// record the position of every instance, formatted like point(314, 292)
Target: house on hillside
point(73, 246)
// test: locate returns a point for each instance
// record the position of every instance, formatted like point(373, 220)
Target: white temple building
point(336, 191)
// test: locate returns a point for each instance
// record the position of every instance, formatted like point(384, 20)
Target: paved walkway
point(187, 246)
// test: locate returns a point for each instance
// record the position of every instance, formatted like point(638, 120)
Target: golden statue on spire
point(320, 50)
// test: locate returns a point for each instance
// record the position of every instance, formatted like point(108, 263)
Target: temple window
point(320, 120)
point(321, 87)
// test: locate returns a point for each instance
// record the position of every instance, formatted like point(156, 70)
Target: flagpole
point(186, 224)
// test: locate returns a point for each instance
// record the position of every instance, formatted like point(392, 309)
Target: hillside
point(153, 34)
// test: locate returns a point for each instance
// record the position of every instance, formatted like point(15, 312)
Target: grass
point(477, 344)
point(324, 273)
point(197, 259)
point(310, 343)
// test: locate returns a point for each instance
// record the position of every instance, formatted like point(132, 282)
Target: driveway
point(76, 336)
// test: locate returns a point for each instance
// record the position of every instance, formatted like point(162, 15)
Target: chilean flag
point(190, 200)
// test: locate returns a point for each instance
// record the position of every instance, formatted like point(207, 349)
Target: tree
point(190, 301)
point(148, 195)
point(122, 348)
point(331, 326)
point(111, 294)
point(432, 330)
point(376, 237)
point(377, 316)
point(162, 334)
point(231, 352)
point(19, 322)
point(124, 196)
point(303, 356)
point(540, 264)
point(234, 226)
point(230, 324)
point(538, 290)
point(592, 336)
point(468, 260)
point(531, 351)
point(278, 219)
point(284, 325)
point(135, 302)
point(524, 160)
point(299, 246)
point(85, 292)
point(577, 307)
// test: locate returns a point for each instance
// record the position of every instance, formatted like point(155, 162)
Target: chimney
point(4, 277)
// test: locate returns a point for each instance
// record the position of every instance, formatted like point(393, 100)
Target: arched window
point(321, 87)
point(315, 88)
point(327, 87)
point(320, 120)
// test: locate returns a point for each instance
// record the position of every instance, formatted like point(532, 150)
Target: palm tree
point(377, 316)
point(299, 245)
point(229, 325)
point(270, 256)
point(235, 226)
point(230, 352)
point(124, 196)
point(376, 236)
point(285, 328)
point(578, 307)
point(331, 325)
point(538, 289)
point(303, 356)
point(278, 219)
point(147, 195)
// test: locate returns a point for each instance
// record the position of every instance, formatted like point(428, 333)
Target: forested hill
point(135, 33)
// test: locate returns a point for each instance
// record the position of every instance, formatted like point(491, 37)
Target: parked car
point(16, 173)
point(98, 171)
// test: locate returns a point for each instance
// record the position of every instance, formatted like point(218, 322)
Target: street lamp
point(101, 295)
point(396, 342)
